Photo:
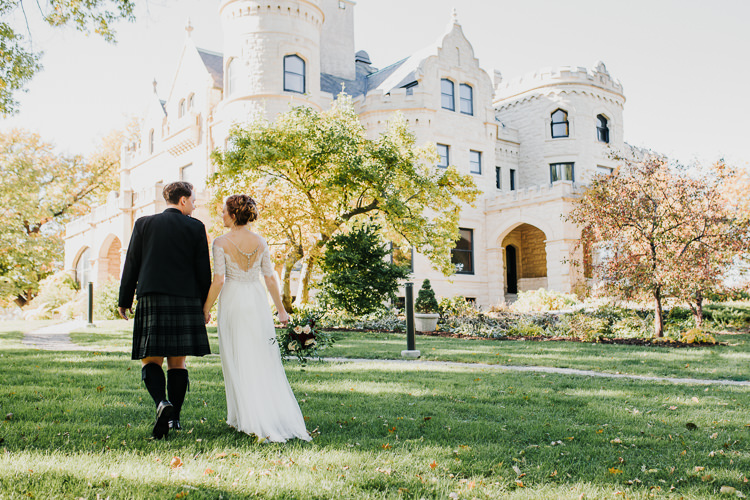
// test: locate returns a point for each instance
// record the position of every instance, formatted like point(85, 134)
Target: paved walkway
point(56, 338)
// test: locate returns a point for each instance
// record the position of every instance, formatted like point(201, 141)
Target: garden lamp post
point(410, 351)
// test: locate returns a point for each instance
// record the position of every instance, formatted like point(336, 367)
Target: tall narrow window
point(561, 172)
point(602, 128)
point(498, 178)
point(151, 141)
point(447, 100)
point(294, 74)
point(191, 101)
point(444, 152)
point(467, 99)
point(462, 256)
point(512, 179)
point(233, 77)
point(559, 124)
point(475, 162)
point(181, 109)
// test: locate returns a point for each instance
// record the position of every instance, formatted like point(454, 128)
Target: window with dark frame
point(512, 179)
point(467, 99)
point(447, 95)
point(498, 178)
point(294, 74)
point(475, 162)
point(444, 152)
point(602, 128)
point(462, 255)
point(410, 88)
point(559, 124)
point(561, 171)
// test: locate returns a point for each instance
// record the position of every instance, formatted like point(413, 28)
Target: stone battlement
point(563, 75)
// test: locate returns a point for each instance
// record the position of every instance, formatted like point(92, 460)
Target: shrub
point(525, 327)
point(697, 336)
point(106, 296)
point(543, 300)
point(426, 302)
point(456, 306)
point(54, 291)
point(727, 315)
point(584, 326)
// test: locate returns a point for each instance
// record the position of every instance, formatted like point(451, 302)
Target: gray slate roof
point(215, 65)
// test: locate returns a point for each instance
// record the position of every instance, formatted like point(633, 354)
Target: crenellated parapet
point(597, 82)
point(309, 10)
point(535, 194)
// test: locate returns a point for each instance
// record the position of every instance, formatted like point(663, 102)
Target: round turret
point(271, 57)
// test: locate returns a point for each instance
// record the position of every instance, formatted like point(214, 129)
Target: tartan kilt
point(166, 325)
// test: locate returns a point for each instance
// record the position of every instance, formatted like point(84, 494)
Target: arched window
point(602, 128)
point(559, 124)
point(83, 268)
point(181, 109)
point(190, 101)
point(151, 141)
point(447, 100)
point(294, 74)
point(467, 99)
point(233, 77)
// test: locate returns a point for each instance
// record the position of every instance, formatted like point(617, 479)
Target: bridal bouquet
point(303, 339)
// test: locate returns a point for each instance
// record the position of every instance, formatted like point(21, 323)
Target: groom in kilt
point(168, 267)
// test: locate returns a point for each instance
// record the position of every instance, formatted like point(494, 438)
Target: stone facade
point(509, 135)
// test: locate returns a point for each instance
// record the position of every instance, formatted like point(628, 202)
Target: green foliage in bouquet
point(426, 302)
point(302, 339)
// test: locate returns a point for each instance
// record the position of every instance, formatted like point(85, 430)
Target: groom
point(167, 266)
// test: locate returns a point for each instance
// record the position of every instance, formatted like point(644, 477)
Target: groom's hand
point(122, 310)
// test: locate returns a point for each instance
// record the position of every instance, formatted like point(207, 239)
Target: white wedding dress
point(259, 398)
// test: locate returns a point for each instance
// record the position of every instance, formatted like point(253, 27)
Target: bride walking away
point(259, 398)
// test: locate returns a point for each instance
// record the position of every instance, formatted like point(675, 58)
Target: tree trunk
point(20, 300)
point(658, 315)
point(307, 270)
point(286, 287)
point(698, 311)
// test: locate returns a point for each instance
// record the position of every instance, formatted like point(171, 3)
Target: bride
point(259, 398)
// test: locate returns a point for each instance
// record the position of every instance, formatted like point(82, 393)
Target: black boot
point(178, 384)
point(153, 376)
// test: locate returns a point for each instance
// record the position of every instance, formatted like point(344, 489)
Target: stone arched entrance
point(525, 259)
point(109, 260)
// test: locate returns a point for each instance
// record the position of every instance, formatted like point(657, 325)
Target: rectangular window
point(512, 179)
point(462, 256)
point(561, 172)
point(467, 99)
point(294, 74)
point(498, 178)
point(601, 170)
point(187, 174)
point(410, 88)
point(444, 152)
point(475, 162)
point(447, 100)
point(402, 257)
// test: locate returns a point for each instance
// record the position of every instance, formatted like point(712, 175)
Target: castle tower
point(271, 58)
point(337, 39)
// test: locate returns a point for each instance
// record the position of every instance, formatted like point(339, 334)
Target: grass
point(81, 420)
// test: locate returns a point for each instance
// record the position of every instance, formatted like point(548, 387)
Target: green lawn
point(80, 424)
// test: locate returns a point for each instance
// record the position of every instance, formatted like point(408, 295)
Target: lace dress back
point(259, 398)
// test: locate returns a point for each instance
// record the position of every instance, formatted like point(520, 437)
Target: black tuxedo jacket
point(167, 255)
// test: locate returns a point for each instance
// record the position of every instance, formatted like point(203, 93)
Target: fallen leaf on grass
point(385, 446)
point(427, 418)
point(672, 407)
point(613, 470)
point(433, 464)
point(208, 472)
point(9, 416)
point(220, 455)
point(714, 435)
point(728, 490)
point(175, 463)
point(695, 400)
point(707, 478)
point(181, 494)
point(698, 468)
point(520, 484)
point(616, 441)
point(384, 471)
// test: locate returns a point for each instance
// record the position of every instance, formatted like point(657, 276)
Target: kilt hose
point(166, 325)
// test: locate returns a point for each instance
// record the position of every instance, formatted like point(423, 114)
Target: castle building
point(529, 143)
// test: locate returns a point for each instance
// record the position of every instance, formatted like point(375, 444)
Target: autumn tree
point(667, 232)
point(316, 173)
point(41, 190)
point(19, 63)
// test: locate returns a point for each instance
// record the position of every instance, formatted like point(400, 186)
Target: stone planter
point(425, 322)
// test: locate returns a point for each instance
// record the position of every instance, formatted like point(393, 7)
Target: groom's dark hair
point(175, 190)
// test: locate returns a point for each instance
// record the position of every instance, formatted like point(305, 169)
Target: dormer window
point(559, 124)
point(447, 99)
point(602, 128)
point(294, 74)
point(467, 99)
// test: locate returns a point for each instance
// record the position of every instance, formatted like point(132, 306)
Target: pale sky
point(683, 63)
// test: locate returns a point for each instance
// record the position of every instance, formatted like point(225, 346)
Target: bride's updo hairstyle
point(242, 208)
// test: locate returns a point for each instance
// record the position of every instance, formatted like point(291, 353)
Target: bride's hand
point(207, 316)
point(283, 317)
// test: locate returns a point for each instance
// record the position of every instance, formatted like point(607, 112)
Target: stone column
point(495, 276)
